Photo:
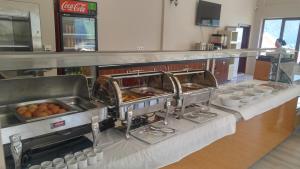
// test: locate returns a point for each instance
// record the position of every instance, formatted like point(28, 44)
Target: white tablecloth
point(191, 137)
point(265, 103)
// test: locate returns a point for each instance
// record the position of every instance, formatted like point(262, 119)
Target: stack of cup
point(59, 163)
point(78, 160)
point(82, 161)
point(46, 164)
point(99, 153)
point(72, 164)
point(35, 167)
point(91, 156)
point(61, 166)
point(71, 161)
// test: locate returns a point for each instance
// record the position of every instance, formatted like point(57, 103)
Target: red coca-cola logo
point(69, 6)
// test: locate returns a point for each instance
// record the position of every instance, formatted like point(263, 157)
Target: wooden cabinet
point(159, 67)
point(110, 71)
point(262, 70)
point(221, 70)
point(201, 64)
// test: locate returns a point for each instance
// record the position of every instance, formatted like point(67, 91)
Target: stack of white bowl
point(236, 95)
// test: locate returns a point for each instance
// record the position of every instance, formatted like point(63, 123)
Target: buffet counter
point(236, 138)
point(215, 144)
point(190, 137)
point(259, 105)
point(269, 122)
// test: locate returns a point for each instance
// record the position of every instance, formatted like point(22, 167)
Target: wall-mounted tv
point(208, 14)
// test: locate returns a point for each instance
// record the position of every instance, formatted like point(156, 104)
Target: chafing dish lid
point(38, 88)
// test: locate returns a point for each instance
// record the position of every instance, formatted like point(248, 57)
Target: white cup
point(68, 157)
point(35, 167)
point(57, 161)
point(50, 168)
point(99, 153)
point(78, 154)
point(46, 164)
point(61, 166)
point(72, 164)
point(82, 162)
point(92, 158)
point(87, 150)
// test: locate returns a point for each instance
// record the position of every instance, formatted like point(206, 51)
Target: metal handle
point(16, 149)
point(167, 107)
point(129, 121)
point(95, 130)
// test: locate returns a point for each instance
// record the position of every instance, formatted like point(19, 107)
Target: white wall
point(180, 31)
point(128, 24)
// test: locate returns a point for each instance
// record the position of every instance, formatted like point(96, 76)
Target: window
point(271, 32)
point(285, 28)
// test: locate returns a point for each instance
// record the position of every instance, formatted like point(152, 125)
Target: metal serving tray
point(77, 103)
point(191, 86)
point(143, 134)
point(146, 90)
point(13, 108)
point(140, 97)
point(199, 117)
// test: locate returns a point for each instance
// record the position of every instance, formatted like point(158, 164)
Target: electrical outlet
point(140, 48)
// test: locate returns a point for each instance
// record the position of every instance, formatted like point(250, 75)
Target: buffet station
point(152, 119)
point(45, 117)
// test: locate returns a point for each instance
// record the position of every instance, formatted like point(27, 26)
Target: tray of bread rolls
point(39, 110)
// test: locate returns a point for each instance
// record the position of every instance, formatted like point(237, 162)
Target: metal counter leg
point(129, 121)
point(16, 149)
point(95, 130)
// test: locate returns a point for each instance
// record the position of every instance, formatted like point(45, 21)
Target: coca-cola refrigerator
point(76, 31)
point(76, 25)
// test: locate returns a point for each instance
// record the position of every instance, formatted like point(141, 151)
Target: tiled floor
point(285, 156)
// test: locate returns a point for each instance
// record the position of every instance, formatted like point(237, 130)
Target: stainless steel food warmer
point(135, 94)
point(21, 136)
point(193, 87)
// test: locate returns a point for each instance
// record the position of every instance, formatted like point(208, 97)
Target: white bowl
point(257, 92)
point(267, 90)
point(227, 91)
point(246, 86)
point(247, 97)
point(230, 100)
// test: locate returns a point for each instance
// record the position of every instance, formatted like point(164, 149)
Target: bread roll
point(61, 111)
point(22, 109)
point(27, 114)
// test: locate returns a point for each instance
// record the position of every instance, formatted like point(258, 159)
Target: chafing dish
point(23, 138)
point(193, 87)
point(135, 94)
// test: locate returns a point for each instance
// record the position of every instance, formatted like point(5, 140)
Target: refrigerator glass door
point(79, 34)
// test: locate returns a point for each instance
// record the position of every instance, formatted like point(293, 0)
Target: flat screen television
point(208, 14)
